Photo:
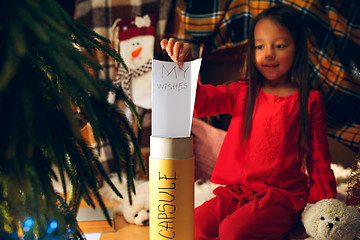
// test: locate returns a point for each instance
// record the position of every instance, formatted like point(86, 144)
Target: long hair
point(289, 18)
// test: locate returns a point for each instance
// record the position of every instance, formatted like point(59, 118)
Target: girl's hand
point(178, 51)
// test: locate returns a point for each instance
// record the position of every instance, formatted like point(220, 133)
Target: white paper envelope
point(173, 97)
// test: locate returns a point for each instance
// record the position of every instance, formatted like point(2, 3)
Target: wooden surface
point(121, 230)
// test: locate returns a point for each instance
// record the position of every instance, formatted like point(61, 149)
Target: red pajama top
point(269, 158)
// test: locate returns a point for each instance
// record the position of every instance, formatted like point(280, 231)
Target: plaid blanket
point(335, 39)
point(334, 27)
point(100, 15)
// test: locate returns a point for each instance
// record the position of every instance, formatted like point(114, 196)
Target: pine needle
point(43, 80)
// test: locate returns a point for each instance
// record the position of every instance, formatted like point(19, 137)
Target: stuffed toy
point(138, 212)
point(134, 39)
point(203, 191)
point(331, 219)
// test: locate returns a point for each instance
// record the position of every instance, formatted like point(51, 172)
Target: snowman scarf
point(123, 78)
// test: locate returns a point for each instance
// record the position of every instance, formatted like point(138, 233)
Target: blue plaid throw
point(334, 28)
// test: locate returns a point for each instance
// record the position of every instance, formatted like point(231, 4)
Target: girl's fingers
point(185, 54)
point(163, 43)
point(178, 51)
point(170, 46)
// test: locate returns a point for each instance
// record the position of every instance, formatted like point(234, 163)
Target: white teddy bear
point(138, 212)
point(331, 219)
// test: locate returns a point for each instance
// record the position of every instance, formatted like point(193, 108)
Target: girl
point(278, 129)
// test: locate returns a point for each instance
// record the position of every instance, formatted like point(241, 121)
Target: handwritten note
point(173, 97)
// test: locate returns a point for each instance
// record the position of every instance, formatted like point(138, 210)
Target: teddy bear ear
point(307, 207)
point(356, 212)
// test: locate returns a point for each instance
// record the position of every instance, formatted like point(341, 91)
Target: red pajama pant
point(239, 213)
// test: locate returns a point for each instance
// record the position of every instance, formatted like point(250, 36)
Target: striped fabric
point(100, 15)
point(334, 48)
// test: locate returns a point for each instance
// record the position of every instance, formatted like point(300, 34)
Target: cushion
point(207, 141)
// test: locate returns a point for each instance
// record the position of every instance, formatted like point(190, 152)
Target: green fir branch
point(43, 79)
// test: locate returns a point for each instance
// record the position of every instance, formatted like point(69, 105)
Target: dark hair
point(289, 18)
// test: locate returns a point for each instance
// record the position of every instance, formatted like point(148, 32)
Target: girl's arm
point(214, 100)
point(321, 178)
point(210, 100)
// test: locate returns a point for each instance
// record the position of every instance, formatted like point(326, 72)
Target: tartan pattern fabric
point(334, 47)
point(100, 16)
point(123, 78)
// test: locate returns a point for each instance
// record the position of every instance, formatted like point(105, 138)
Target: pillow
point(207, 141)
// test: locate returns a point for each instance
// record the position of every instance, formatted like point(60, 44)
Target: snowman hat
point(136, 26)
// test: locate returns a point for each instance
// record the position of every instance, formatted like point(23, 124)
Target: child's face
point(274, 52)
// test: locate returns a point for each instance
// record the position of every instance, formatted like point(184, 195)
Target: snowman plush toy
point(134, 39)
